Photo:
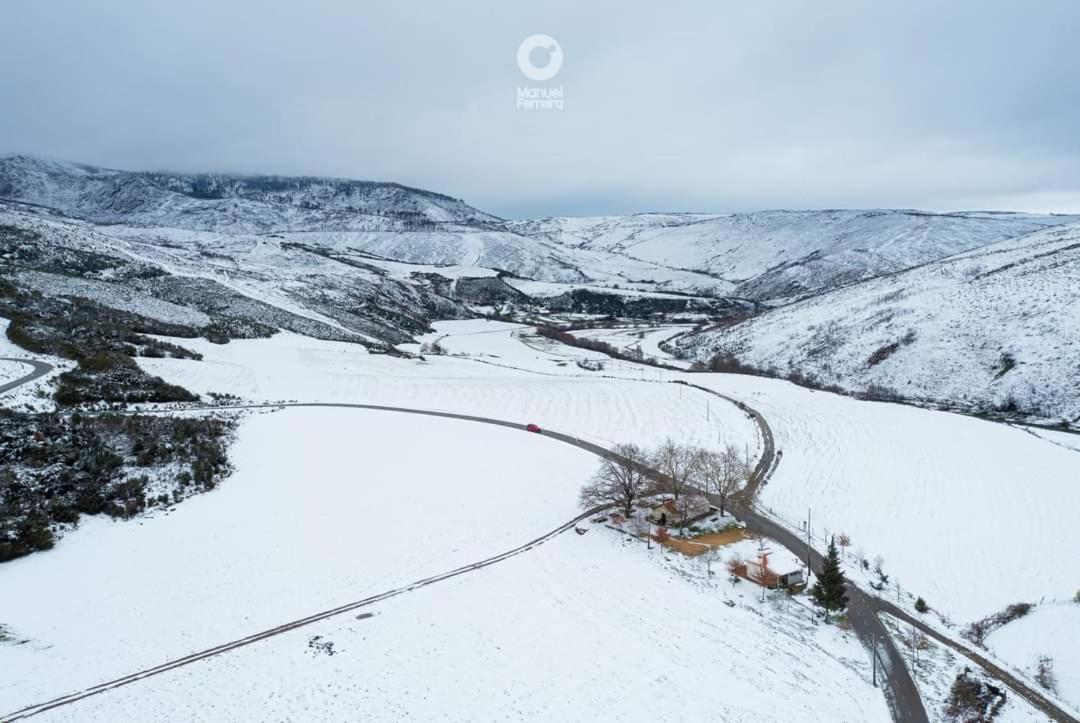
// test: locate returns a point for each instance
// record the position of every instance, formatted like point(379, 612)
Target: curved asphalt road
point(863, 608)
point(903, 697)
point(40, 370)
point(286, 627)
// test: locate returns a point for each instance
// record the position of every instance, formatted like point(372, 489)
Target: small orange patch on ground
point(702, 543)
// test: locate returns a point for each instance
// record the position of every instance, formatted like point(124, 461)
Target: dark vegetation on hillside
point(56, 467)
point(587, 301)
point(1009, 410)
point(101, 340)
point(564, 335)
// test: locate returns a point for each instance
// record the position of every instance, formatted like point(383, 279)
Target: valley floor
point(328, 506)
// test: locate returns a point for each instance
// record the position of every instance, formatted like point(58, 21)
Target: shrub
point(882, 354)
point(978, 630)
point(972, 700)
point(921, 606)
point(1044, 674)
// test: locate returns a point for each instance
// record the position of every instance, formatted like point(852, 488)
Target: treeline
point(728, 363)
point(565, 337)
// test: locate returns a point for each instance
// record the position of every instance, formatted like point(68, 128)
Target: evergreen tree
point(829, 590)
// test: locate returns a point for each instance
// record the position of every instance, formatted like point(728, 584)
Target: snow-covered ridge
point(784, 254)
point(993, 328)
point(228, 203)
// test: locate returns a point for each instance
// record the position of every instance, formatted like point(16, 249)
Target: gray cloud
point(699, 105)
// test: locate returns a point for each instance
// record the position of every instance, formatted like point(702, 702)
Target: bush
point(1044, 674)
point(972, 700)
point(978, 630)
point(921, 606)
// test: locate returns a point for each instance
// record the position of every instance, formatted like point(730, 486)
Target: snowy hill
point(235, 282)
point(228, 203)
point(385, 219)
point(992, 329)
point(782, 254)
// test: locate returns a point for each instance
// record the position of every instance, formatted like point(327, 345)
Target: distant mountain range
point(934, 306)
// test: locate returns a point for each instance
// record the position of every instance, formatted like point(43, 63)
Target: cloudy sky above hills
point(699, 105)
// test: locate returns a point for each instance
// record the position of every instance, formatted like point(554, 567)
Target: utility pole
point(873, 653)
point(808, 545)
point(912, 647)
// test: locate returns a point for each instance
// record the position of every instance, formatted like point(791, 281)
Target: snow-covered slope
point(781, 254)
point(199, 278)
point(384, 219)
point(994, 328)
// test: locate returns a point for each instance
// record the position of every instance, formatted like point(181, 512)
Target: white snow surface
point(581, 628)
point(919, 487)
point(953, 323)
point(908, 484)
point(325, 507)
point(1048, 630)
point(331, 505)
point(915, 486)
point(776, 254)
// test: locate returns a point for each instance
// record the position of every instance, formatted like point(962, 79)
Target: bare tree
point(677, 464)
point(721, 473)
point(618, 482)
point(1044, 674)
point(711, 556)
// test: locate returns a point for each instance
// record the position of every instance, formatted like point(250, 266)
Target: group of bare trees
point(634, 473)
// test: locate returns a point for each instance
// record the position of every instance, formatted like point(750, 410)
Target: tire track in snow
point(65, 700)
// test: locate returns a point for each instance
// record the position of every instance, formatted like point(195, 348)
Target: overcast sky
point(701, 105)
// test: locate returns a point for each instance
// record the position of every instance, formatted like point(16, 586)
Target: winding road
point(40, 369)
point(903, 697)
point(901, 693)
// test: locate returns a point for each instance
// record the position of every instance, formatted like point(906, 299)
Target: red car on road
point(532, 428)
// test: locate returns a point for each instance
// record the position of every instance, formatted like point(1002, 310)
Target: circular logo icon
point(539, 57)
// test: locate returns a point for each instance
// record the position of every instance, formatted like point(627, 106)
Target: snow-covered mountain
point(384, 219)
point(234, 282)
point(997, 328)
point(229, 203)
point(783, 254)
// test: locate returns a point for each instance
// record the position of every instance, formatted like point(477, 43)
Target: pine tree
point(829, 590)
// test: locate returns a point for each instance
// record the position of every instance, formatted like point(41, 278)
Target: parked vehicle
point(532, 428)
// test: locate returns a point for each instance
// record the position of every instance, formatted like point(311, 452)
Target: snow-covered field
point(948, 502)
point(1049, 631)
point(543, 390)
point(910, 485)
point(326, 506)
point(583, 628)
point(331, 505)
